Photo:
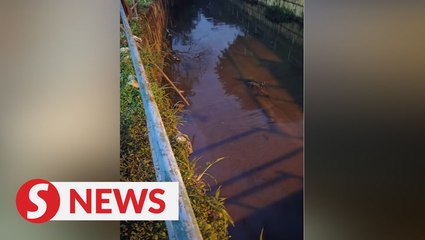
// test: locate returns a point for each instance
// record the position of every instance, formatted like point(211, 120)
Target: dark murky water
point(259, 132)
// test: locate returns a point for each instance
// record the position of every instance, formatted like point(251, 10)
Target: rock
point(184, 140)
point(132, 81)
point(137, 39)
point(181, 137)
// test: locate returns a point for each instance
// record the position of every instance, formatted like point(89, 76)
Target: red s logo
point(37, 201)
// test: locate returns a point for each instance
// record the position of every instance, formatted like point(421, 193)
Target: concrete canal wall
point(291, 30)
point(296, 6)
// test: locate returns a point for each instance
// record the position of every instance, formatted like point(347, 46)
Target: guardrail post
point(166, 167)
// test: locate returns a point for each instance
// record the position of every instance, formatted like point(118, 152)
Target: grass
point(280, 14)
point(135, 156)
point(144, 4)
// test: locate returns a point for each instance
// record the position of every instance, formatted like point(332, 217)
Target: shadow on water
point(280, 220)
point(223, 45)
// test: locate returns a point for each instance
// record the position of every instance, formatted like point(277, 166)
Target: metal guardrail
point(166, 167)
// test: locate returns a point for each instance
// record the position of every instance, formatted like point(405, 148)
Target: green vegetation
point(261, 234)
point(143, 4)
point(280, 14)
point(135, 155)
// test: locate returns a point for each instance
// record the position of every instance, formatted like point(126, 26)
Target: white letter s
point(41, 204)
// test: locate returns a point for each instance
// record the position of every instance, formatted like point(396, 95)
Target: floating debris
point(175, 58)
point(258, 86)
point(169, 33)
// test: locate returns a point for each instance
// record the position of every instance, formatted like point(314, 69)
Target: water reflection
point(222, 47)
